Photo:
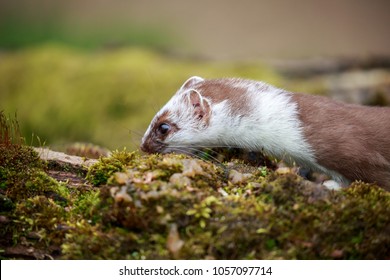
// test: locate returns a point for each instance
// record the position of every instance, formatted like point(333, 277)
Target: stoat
point(347, 142)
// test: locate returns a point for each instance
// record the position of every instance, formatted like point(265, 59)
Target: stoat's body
point(348, 142)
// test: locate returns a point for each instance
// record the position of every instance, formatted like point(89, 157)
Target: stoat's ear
point(201, 107)
point(191, 82)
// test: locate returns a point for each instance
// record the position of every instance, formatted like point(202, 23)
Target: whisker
point(203, 149)
point(204, 156)
point(208, 147)
point(131, 132)
point(208, 152)
point(217, 162)
point(213, 151)
point(135, 137)
point(185, 152)
point(211, 146)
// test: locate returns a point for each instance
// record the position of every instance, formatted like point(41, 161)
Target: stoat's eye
point(164, 128)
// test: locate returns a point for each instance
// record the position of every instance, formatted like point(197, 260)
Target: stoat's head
point(180, 122)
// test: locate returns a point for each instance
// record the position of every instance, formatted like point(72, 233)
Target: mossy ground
point(175, 206)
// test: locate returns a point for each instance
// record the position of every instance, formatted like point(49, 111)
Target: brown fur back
point(353, 140)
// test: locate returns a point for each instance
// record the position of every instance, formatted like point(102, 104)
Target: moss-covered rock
point(178, 207)
point(272, 217)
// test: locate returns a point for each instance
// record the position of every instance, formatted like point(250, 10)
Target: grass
point(9, 131)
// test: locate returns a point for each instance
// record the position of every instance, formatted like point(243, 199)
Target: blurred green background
point(97, 71)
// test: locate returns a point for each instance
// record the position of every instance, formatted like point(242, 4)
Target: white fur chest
point(270, 121)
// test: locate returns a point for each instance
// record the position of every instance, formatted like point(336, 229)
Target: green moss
point(85, 204)
point(35, 182)
point(87, 241)
point(32, 203)
point(177, 207)
point(274, 216)
point(99, 173)
point(40, 213)
point(6, 204)
point(20, 167)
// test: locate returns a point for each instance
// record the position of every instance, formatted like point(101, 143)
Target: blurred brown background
point(218, 29)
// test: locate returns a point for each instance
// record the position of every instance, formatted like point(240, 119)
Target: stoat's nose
point(147, 145)
point(143, 147)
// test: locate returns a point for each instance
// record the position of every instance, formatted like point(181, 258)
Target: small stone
point(236, 177)
point(180, 180)
point(191, 168)
point(113, 191)
point(122, 195)
point(171, 162)
point(283, 170)
point(222, 192)
point(62, 158)
point(159, 209)
point(4, 220)
point(121, 178)
point(337, 254)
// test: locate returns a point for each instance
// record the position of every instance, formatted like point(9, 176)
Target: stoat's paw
point(332, 185)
